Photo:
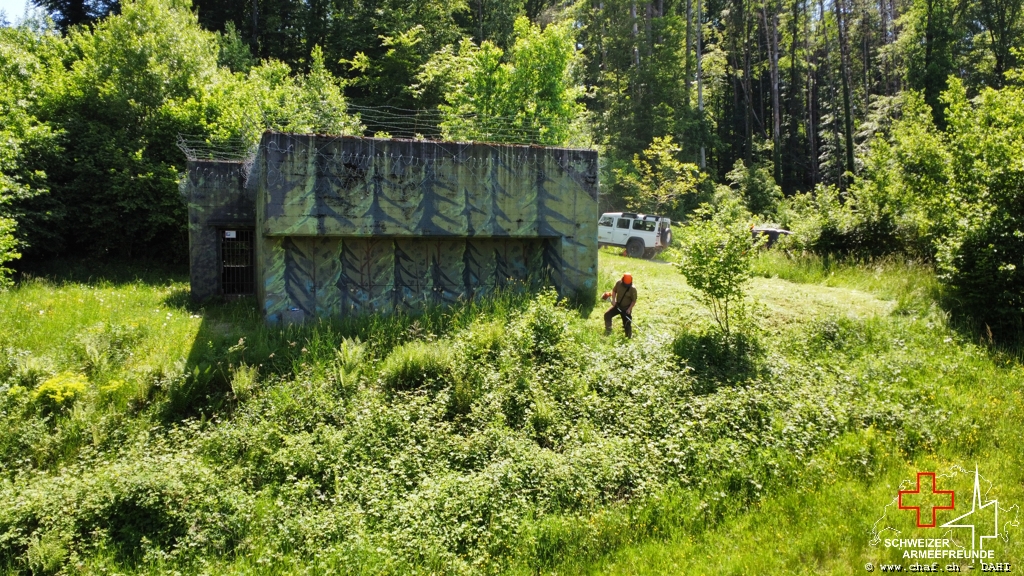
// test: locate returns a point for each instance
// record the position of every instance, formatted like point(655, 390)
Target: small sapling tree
point(716, 260)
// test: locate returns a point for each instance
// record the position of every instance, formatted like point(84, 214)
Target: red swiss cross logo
point(923, 498)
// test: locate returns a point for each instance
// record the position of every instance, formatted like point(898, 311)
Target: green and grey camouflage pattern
point(217, 200)
point(348, 225)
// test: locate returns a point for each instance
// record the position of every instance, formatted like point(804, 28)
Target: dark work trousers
point(626, 323)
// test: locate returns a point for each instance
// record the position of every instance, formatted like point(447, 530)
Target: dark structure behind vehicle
point(772, 234)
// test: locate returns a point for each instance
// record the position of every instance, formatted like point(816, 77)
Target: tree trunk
point(772, 38)
point(636, 32)
point(793, 107)
point(747, 95)
point(1002, 19)
point(479, 21)
point(648, 38)
point(812, 131)
point(832, 84)
point(883, 12)
point(866, 27)
point(256, 26)
point(844, 62)
point(661, 14)
point(689, 39)
point(700, 82)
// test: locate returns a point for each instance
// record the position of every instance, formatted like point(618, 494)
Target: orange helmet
point(627, 278)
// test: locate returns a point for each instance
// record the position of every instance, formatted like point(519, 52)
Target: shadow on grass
point(181, 299)
point(101, 271)
point(233, 333)
point(1003, 339)
point(584, 303)
point(719, 360)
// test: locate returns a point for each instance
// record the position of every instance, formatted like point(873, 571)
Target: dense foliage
point(92, 118)
point(93, 165)
point(8, 250)
point(527, 96)
point(715, 258)
point(502, 434)
point(839, 106)
point(658, 181)
point(952, 195)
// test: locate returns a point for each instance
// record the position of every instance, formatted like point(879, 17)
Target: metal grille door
point(237, 272)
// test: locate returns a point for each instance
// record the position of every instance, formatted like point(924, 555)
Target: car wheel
point(666, 238)
point(635, 248)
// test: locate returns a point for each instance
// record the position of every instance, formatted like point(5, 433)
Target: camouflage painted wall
point(216, 199)
point(311, 276)
point(348, 225)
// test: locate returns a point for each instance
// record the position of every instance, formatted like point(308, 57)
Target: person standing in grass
point(623, 297)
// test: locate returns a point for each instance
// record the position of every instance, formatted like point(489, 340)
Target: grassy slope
point(823, 524)
point(818, 524)
point(669, 305)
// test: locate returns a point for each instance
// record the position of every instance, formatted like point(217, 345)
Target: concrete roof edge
point(424, 141)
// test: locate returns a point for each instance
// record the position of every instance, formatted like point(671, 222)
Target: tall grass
point(911, 284)
point(504, 434)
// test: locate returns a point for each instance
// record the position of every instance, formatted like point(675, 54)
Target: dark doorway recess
point(238, 274)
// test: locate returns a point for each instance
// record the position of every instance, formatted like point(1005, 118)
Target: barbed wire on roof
point(329, 150)
point(429, 125)
point(202, 148)
point(436, 124)
point(353, 165)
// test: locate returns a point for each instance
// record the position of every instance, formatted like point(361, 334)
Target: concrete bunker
point(326, 226)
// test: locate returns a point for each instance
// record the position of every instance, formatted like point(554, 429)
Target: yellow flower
point(61, 389)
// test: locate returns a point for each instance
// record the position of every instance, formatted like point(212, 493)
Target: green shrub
point(8, 250)
point(483, 340)
point(107, 346)
point(481, 81)
point(717, 358)
point(243, 381)
point(153, 505)
point(59, 392)
point(716, 259)
point(982, 256)
point(31, 370)
point(757, 187)
point(983, 263)
point(657, 181)
point(417, 365)
point(47, 553)
point(348, 364)
point(537, 333)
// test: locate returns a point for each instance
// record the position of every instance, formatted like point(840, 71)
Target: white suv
point(641, 234)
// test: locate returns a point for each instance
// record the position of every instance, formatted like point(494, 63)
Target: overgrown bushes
point(462, 442)
point(416, 365)
point(8, 250)
point(92, 120)
point(950, 196)
point(715, 256)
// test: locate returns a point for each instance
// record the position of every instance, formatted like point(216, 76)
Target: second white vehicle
point(640, 234)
